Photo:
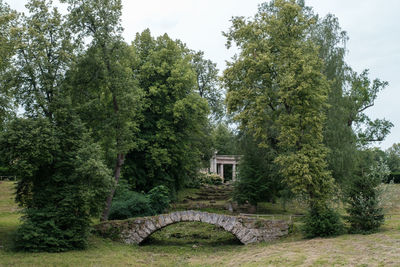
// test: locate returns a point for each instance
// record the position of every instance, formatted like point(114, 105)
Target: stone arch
point(246, 229)
point(142, 228)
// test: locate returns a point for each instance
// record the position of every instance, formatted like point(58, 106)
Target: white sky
point(372, 26)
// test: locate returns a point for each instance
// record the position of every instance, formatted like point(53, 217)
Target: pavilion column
point(221, 171)
point(213, 165)
point(233, 172)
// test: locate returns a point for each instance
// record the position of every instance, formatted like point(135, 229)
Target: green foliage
point(62, 181)
point(103, 84)
point(38, 76)
point(7, 37)
point(277, 92)
point(128, 204)
point(159, 198)
point(322, 222)
point(174, 116)
point(339, 137)
point(208, 85)
point(203, 179)
point(393, 157)
point(259, 178)
point(61, 171)
point(209, 178)
point(362, 94)
point(224, 140)
point(365, 213)
point(9, 42)
point(54, 230)
point(4, 171)
point(350, 95)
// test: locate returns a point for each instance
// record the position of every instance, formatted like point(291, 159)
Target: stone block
point(184, 216)
point(196, 216)
point(167, 219)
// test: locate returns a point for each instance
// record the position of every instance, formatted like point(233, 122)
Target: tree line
point(301, 114)
point(97, 110)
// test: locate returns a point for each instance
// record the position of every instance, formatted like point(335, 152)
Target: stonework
point(246, 229)
point(217, 164)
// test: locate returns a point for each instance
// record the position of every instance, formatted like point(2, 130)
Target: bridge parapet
point(246, 229)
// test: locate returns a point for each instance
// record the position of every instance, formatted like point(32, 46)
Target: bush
point(129, 204)
point(53, 231)
point(62, 181)
point(365, 214)
point(322, 222)
point(209, 178)
point(159, 198)
point(204, 178)
point(193, 183)
point(363, 200)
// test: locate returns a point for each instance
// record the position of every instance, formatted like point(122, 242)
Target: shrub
point(209, 178)
point(193, 183)
point(365, 213)
point(159, 198)
point(363, 200)
point(53, 231)
point(322, 222)
point(131, 204)
point(214, 179)
point(62, 181)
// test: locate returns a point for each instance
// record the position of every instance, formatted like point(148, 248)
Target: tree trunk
point(117, 173)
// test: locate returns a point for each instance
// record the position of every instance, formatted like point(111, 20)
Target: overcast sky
point(372, 26)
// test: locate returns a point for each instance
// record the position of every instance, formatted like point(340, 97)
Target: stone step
point(202, 198)
point(216, 190)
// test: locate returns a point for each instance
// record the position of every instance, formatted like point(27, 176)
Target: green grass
point(199, 244)
point(182, 194)
point(9, 215)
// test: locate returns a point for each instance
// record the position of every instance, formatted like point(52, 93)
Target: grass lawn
point(199, 244)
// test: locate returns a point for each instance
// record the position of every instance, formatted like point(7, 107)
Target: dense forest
point(91, 124)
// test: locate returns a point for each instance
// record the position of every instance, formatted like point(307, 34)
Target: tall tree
point(175, 116)
point(278, 91)
point(208, 84)
point(361, 94)
point(338, 136)
point(282, 86)
point(61, 174)
point(8, 44)
point(350, 95)
point(224, 140)
point(104, 85)
point(393, 157)
point(259, 179)
point(47, 50)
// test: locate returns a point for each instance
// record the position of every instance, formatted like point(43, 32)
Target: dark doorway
point(228, 172)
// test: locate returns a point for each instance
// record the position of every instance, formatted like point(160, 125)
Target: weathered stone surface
point(247, 230)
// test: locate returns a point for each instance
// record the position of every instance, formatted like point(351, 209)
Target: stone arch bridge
point(246, 229)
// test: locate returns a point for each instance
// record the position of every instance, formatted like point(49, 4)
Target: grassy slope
point(196, 244)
